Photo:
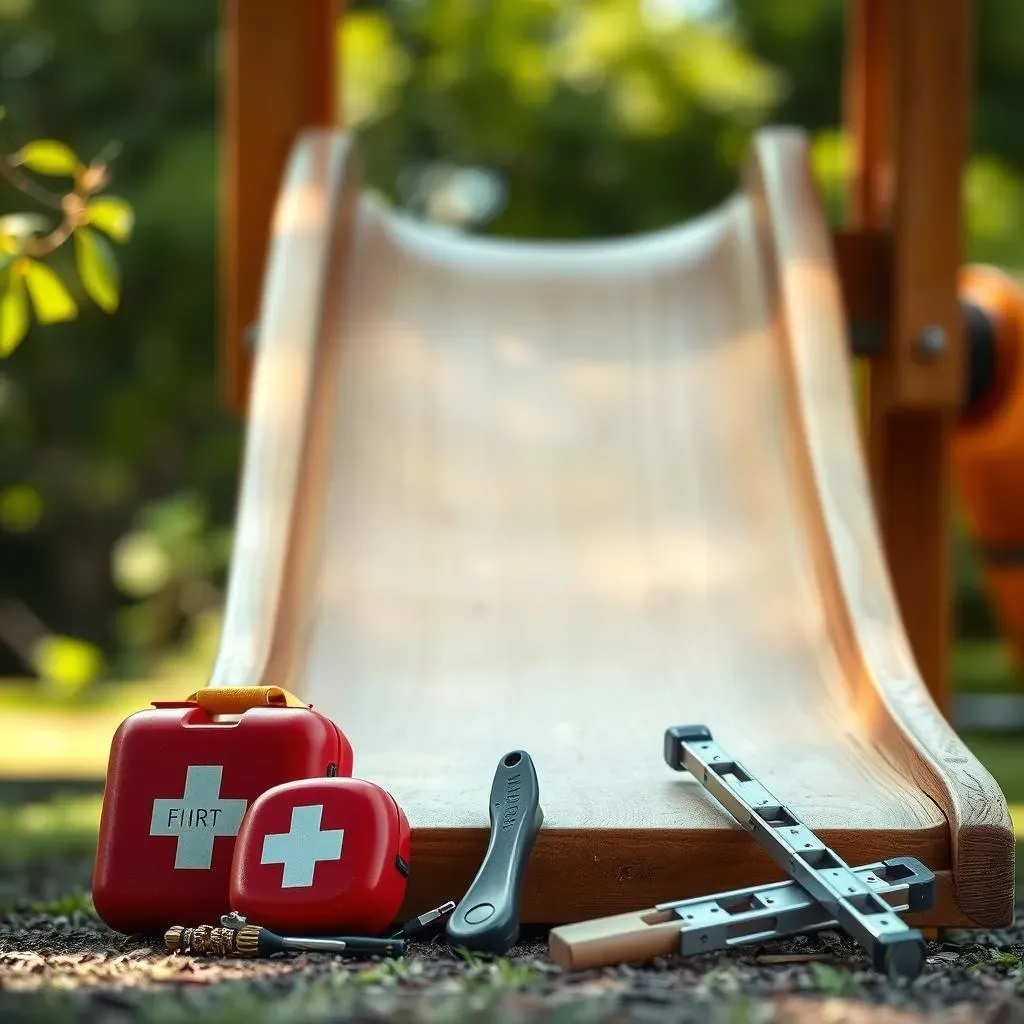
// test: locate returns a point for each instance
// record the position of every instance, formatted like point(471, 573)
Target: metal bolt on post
point(932, 342)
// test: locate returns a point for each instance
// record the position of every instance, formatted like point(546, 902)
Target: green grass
point(51, 829)
point(46, 853)
point(829, 981)
point(126, 697)
point(482, 995)
point(985, 666)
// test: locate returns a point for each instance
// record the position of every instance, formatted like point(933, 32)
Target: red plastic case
point(178, 783)
point(324, 856)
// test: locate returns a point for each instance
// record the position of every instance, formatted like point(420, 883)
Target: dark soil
point(59, 963)
point(71, 967)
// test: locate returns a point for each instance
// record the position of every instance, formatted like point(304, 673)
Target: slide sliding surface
point(553, 496)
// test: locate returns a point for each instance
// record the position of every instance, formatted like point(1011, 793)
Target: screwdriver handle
point(252, 941)
point(207, 939)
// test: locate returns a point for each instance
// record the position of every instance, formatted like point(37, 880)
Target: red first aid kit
point(180, 778)
point(322, 856)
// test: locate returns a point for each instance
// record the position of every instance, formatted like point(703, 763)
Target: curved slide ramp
point(556, 496)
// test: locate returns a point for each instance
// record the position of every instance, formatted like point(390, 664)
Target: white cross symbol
point(198, 816)
point(302, 846)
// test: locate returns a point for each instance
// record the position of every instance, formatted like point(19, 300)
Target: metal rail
point(894, 947)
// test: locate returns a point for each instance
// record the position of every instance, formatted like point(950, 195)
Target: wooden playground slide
point(504, 494)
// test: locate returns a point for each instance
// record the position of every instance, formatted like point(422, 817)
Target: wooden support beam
point(929, 149)
point(907, 94)
point(864, 263)
point(279, 78)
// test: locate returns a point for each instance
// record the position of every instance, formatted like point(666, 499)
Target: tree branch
point(24, 184)
point(55, 239)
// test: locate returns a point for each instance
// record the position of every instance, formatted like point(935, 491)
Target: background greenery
point(550, 118)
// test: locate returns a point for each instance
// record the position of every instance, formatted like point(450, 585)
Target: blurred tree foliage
point(117, 467)
point(519, 117)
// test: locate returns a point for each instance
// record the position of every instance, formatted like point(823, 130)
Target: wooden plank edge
point(579, 874)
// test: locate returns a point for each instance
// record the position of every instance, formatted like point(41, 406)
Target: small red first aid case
point(180, 777)
point(323, 856)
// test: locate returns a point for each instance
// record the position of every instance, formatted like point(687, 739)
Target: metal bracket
point(761, 913)
point(844, 895)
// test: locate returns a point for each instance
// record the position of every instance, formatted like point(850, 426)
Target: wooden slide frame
point(884, 753)
point(907, 84)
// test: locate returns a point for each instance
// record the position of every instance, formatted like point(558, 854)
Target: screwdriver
point(252, 940)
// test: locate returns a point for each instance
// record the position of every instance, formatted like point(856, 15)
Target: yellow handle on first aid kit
point(233, 700)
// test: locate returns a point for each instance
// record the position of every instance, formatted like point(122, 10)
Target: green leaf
point(97, 267)
point(13, 311)
point(111, 215)
point(51, 299)
point(48, 156)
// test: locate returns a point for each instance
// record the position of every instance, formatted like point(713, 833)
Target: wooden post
point(906, 106)
point(279, 78)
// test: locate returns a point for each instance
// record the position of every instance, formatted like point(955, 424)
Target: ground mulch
point(71, 967)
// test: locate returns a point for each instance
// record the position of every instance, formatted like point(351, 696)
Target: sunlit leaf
point(595, 38)
point(374, 66)
point(641, 106)
point(67, 663)
point(722, 74)
point(13, 311)
point(24, 225)
point(97, 267)
point(992, 195)
point(21, 507)
point(512, 39)
point(50, 297)
point(48, 156)
point(111, 215)
point(832, 157)
point(832, 163)
point(140, 565)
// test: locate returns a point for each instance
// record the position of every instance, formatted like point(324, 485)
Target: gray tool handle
point(894, 947)
point(487, 917)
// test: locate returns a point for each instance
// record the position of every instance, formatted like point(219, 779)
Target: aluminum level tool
point(894, 947)
point(704, 924)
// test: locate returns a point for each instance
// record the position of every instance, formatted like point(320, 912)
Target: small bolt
point(931, 342)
